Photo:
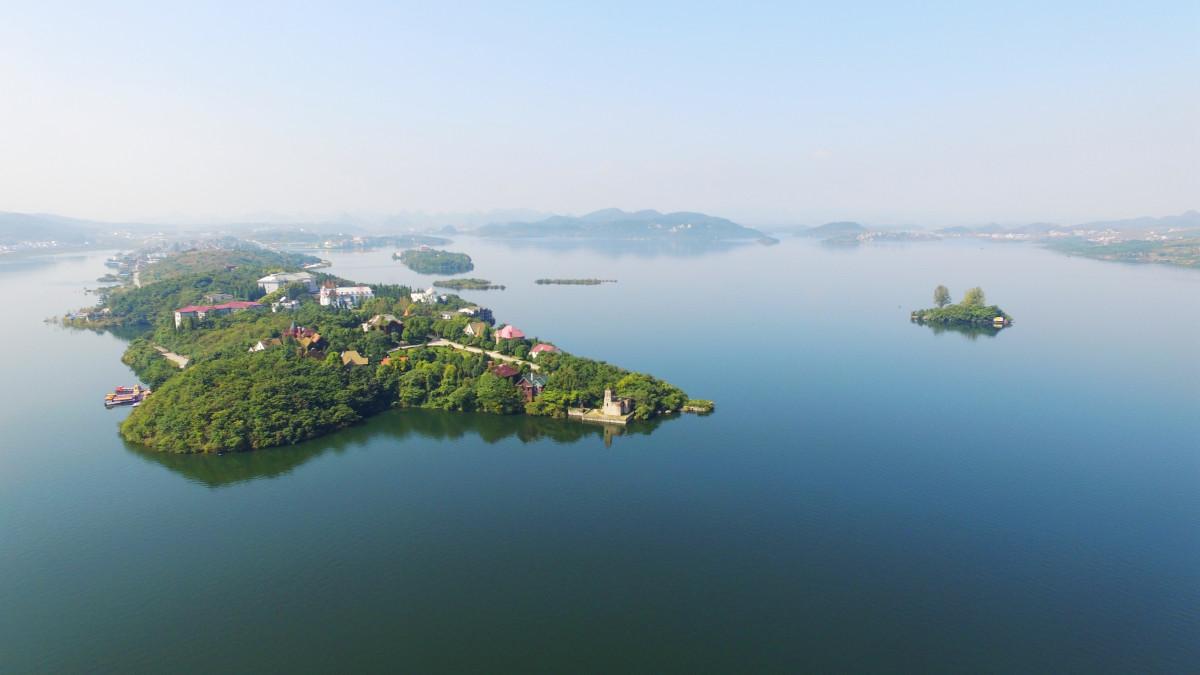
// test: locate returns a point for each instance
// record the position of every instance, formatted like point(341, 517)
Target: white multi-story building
point(345, 296)
point(429, 295)
point(274, 282)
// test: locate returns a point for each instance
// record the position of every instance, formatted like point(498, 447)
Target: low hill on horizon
point(840, 228)
point(1184, 221)
point(17, 227)
point(617, 224)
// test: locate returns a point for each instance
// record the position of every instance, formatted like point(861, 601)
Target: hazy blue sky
point(767, 113)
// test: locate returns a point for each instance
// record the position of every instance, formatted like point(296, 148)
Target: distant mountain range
point(19, 227)
point(1188, 220)
point(610, 224)
point(25, 227)
point(618, 224)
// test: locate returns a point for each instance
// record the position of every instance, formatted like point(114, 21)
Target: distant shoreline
point(573, 282)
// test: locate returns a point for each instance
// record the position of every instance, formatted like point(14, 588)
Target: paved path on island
point(178, 360)
point(442, 342)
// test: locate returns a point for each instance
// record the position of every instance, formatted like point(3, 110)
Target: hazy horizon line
point(526, 214)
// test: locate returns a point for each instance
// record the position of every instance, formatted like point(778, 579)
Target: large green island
point(278, 368)
point(433, 261)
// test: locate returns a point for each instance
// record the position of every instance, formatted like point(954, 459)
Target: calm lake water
point(870, 495)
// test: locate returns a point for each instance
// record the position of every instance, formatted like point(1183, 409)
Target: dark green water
point(870, 496)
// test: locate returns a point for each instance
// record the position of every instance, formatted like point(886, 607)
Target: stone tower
point(612, 406)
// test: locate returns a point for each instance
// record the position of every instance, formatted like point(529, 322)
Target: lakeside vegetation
point(468, 284)
point(434, 261)
point(148, 363)
point(1184, 251)
point(574, 282)
point(232, 399)
point(973, 310)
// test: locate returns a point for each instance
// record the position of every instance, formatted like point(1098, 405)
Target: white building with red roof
point(542, 348)
point(201, 311)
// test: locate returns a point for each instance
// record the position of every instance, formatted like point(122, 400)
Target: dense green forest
point(213, 260)
point(433, 261)
point(149, 365)
point(231, 399)
point(252, 401)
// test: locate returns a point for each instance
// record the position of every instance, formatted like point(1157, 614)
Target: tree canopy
point(941, 296)
point(974, 297)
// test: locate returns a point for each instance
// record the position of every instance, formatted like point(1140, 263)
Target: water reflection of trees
point(971, 332)
point(222, 470)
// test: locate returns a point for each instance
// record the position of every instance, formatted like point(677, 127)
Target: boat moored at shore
point(126, 396)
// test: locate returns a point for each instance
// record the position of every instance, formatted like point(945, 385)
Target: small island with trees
point(433, 261)
point(471, 284)
point(972, 311)
point(574, 282)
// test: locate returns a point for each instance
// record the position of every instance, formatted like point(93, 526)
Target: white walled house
point(345, 296)
point(429, 295)
point(284, 305)
point(274, 282)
